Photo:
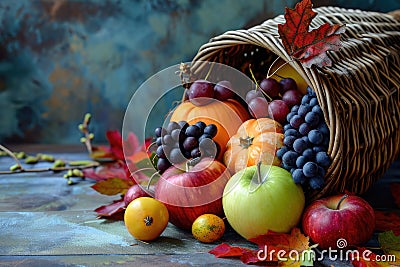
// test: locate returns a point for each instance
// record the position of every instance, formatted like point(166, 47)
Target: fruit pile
point(306, 142)
point(180, 141)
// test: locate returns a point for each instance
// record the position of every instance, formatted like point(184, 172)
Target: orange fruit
point(146, 218)
point(208, 228)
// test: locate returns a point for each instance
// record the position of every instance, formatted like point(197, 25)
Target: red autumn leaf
point(386, 221)
point(225, 250)
point(269, 246)
point(112, 186)
point(309, 47)
point(114, 210)
point(117, 169)
point(395, 190)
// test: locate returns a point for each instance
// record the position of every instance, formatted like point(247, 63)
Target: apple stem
point(341, 200)
point(259, 179)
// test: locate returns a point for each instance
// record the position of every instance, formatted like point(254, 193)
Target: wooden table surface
point(45, 222)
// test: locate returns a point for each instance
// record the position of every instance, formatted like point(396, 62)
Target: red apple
point(331, 220)
point(134, 192)
point(189, 193)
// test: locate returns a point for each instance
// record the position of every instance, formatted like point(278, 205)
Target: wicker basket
point(359, 94)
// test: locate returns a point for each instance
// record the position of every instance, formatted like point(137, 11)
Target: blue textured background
point(61, 59)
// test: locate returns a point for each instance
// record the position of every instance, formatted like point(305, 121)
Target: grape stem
point(257, 85)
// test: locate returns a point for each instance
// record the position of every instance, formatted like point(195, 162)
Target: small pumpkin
point(226, 115)
point(256, 140)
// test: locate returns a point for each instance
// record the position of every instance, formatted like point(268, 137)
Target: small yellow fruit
point(208, 228)
point(146, 218)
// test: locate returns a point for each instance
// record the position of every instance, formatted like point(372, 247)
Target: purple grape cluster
point(180, 141)
point(306, 140)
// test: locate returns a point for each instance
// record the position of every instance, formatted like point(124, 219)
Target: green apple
point(261, 198)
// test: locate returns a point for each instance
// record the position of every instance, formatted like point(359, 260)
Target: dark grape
point(287, 127)
point(304, 128)
point(299, 145)
point(311, 92)
point(315, 137)
point(292, 97)
point(289, 140)
point(278, 110)
point(195, 153)
point(208, 148)
point(289, 158)
point(223, 91)
point(168, 140)
point(322, 159)
point(323, 128)
point(178, 135)
point(286, 167)
point(295, 108)
point(258, 107)
point(309, 153)
point(287, 84)
point(296, 121)
point(270, 86)
point(292, 132)
point(316, 182)
point(201, 92)
point(159, 141)
point(253, 94)
point(176, 156)
point(306, 99)
point(317, 109)
point(204, 136)
point(163, 164)
point(201, 125)
point(158, 131)
point(300, 161)
point(312, 118)
point(172, 126)
point(211, 130)
point(318, 149)
point(321, 171)
point(160, 152)
point(190, 143)
point(310, 169)
point(281, 151)
point(193, 130)
point(303, 110)
point(298, 176)
point(313, 102)
point(183, 125)
point(290, 115)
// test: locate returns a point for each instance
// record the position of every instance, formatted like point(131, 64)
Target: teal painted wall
point(61, 59)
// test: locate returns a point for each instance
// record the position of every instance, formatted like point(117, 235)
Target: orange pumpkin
point(256, 140)
point(226, 115)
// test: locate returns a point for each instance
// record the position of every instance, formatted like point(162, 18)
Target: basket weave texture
point(359, 94)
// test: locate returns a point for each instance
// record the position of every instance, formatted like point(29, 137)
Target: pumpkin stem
point(246, 142)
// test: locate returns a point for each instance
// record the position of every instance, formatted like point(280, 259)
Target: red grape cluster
point(202, 92)
point(284, 95)
point(180, 141)
point(306, 140)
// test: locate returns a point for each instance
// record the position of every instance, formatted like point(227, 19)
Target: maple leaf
point(112, 186)
point(309, 47)
point(387, 221)
point(390, 244)
point(269, 245)
point(395, 190)
point(114, 210)
point(117, 169)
